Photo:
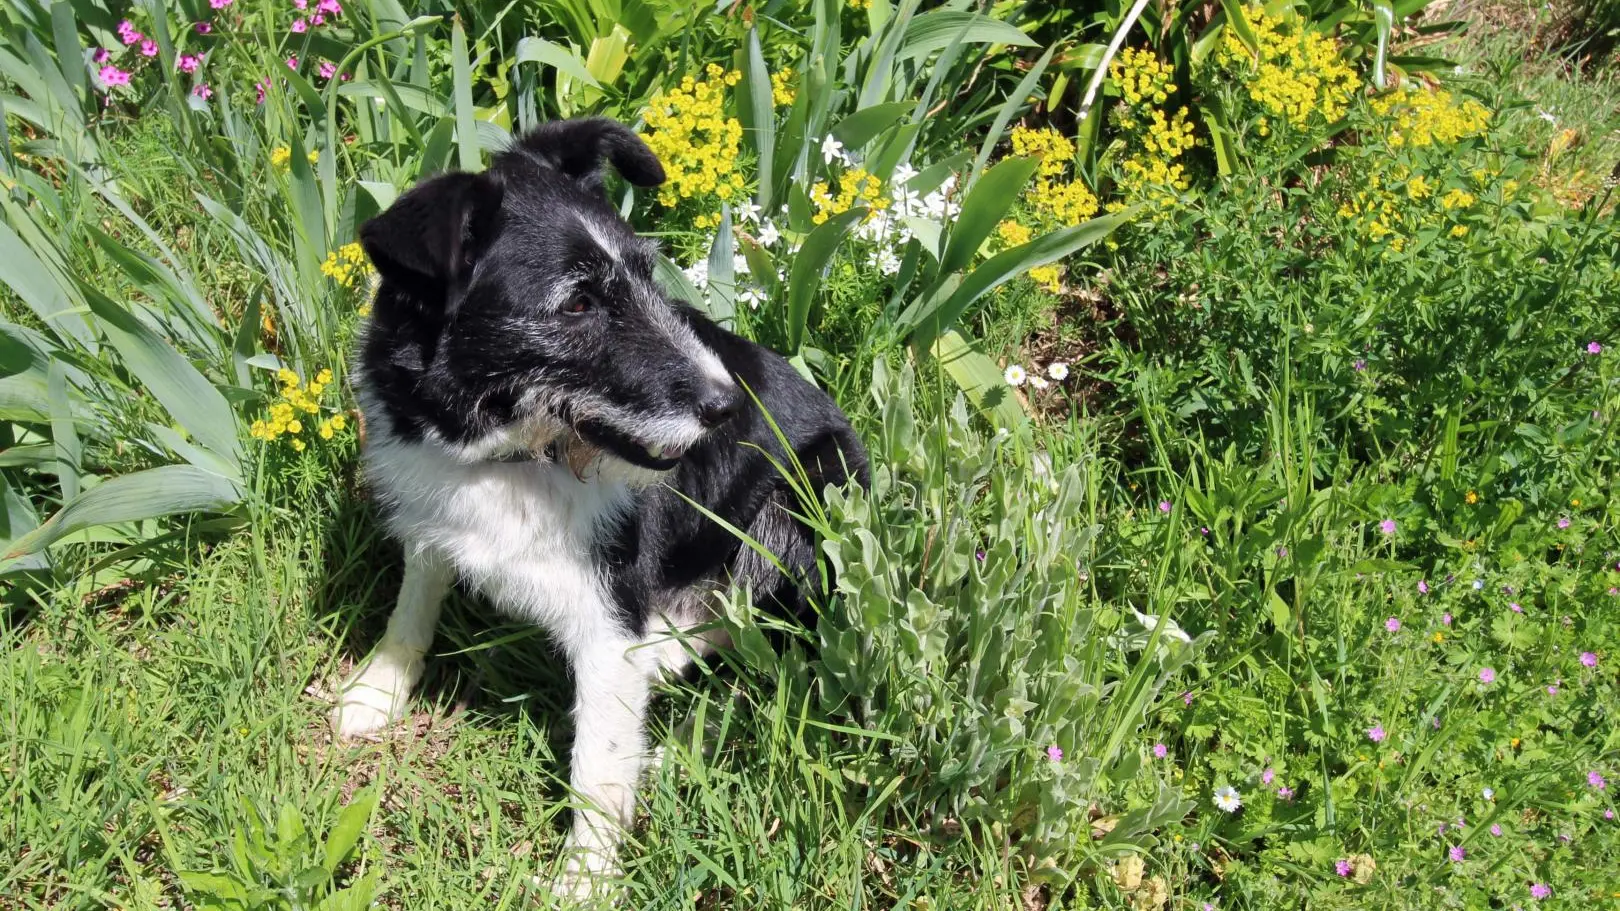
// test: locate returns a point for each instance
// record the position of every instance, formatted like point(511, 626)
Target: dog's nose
point(719, 403)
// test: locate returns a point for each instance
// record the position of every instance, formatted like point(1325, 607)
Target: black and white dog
point(536, 409)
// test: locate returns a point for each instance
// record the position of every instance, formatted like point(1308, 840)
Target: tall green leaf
point(987, 201)
point(1009, 108)
point(164, 491)
point(939, 29)
point(808, 267)
point(1384, 17)
point(461, 73)
point(759, 116)
point(980, 378)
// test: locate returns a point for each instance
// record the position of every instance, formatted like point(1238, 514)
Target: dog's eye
point(581, 303)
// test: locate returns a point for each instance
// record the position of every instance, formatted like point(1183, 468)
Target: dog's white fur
point(520, 533)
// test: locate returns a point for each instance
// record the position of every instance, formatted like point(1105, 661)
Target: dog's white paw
point(586, 879)
point(372, 701)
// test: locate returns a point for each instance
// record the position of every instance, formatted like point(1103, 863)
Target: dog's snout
point(718, 403)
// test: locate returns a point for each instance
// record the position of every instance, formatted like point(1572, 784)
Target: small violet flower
point(1393, 624)
point(1376, 733)
point(1456, 854)
point(298, 27)
point(1487, 675)
point(1164, 506)
point(1596, 780)
point(1054, 753)
point(1160, 751)
point(1387, 526)
point(1342, 867)
point(1589, 659)
point(1496, 830)
point(1423, 586)
point(1539, 891)
point(1594, 348)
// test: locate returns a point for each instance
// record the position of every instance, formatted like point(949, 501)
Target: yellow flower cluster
point(1013, 234)
point(1392, 203)
point(1156, 140)
point(297, 399)
point(1048, 277)
point(856, 187)
point(860, 4)
point(1068, 202)
point(346, 265)
point(1143, 81)
point(1427, 117)
point(698, 144)
point(281, 157)
point(1296, 74)
point(782, 93)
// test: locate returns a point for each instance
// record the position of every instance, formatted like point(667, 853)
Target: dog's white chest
point(523, 534)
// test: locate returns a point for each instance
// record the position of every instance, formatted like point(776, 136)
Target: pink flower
point(1594, 348)
point(149, 48)
point(1589, 659)
point(330, 6)
point(204, 28)
point(1160, 751)
point(1393, 624)
point(1539, 891)
point(1563, 521)
point(1496, 829)
point(299, 26)
point(1445, 619)
point(1164, 506)
point(1267, 775)
point(1608, 814)
point(1552, 689)
point(1456, 854)
point(317, 19)
point(1387, 526)
point(1596, 780)
point(1423, 586)
point(201, 90)
point(327, 69)
point(1054, 753)
point(301, 4)
point(1376, 733)
point(220, 4)
point(292, 62)
point(261, 86)
point(187, 63)
point(1186, 697)
point(1514, 607)
point(127, 33)
point(101, 55)
point(112, 75)
point(1342, 868)
point(1358, 365)
point(1285, 793)
point(1487, 675)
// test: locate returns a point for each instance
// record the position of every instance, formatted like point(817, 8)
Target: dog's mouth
point(653, 457)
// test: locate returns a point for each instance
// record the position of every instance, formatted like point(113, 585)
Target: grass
point(165, 718)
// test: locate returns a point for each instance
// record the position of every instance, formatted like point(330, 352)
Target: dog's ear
point(436, 231)
point(577, 148)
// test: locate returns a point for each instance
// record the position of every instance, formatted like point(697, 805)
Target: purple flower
point(1160, 751)
point(101, 55)
point(187, 63)
point(1054, 753)
point(112, 75)
point(1186, 698)
point(1285, 793)
point(1456, 854)
point(1376, 733)
point(1594, 348)
point(1387, 526)
point(1539, 891)
point(1445, 619)
point(204, 28)
point(1487, 675)
point(327, 69)
point(978, 555)
point(1282, 552)
point(1203, 530)
point(301, 4)
point(1514, 607)
point(1342, 867)
point(1596, 780)
point(201, 90)
point(1563, 521)
point(1266, 776)
point(1164, 506)
point(1358, 365)
point(317, 19)
point(1608, 814)
point(1423, 586)
point(1393, 624)
point(330, 6)
point(1589, 659)
point(149, 48)
point(1496, 829)
point(292, 62)
point(220, 4)
point(127, 33)
point(298, 27)
point(1552, 689)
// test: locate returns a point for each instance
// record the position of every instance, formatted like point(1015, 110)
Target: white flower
point(698, 274)
point(1488, 794)
point(832, 150)
point(904, 172)
point(1015, 375)
point(1036, 381)
point(1226, 798)
point(739, 264)
point(768, 235)
point(747, 212)
point(753, 297)
point(1479, 584)
point(884, 261)
point(1547, 115)
point(1058, 370)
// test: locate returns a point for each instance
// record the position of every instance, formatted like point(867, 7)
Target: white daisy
point(1058, 370)
point(1015, 375)
point(831, 150)
point(1227, 799)
point(753, 297)
point(903, 173)
point(768, 235)
point(1036, 381)
point(739, 264)
point(747, 212)
point(884, 261)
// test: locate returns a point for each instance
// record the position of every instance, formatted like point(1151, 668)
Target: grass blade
point(808, 268)
point(164, 491)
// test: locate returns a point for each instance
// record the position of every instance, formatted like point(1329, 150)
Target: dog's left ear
point(577, 148)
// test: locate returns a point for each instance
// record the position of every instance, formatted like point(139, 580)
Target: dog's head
point(538, 305)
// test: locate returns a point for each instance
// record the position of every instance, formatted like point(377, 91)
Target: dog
point(540, 416)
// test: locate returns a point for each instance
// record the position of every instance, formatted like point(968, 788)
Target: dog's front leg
point(377, 695)
point(612, 686)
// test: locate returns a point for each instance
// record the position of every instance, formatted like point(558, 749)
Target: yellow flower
point(1013, 234)
point(339, 422)
point(346, 265)
point(1296, 75)
point(1471, 498)
point(298, 445)
point(1048, 277)
point(1425, 117)
point(1459, 230)
point(1439, 637)
point(280, 156)
point(782, 93)
point(1051, 147)
point(699, 146)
